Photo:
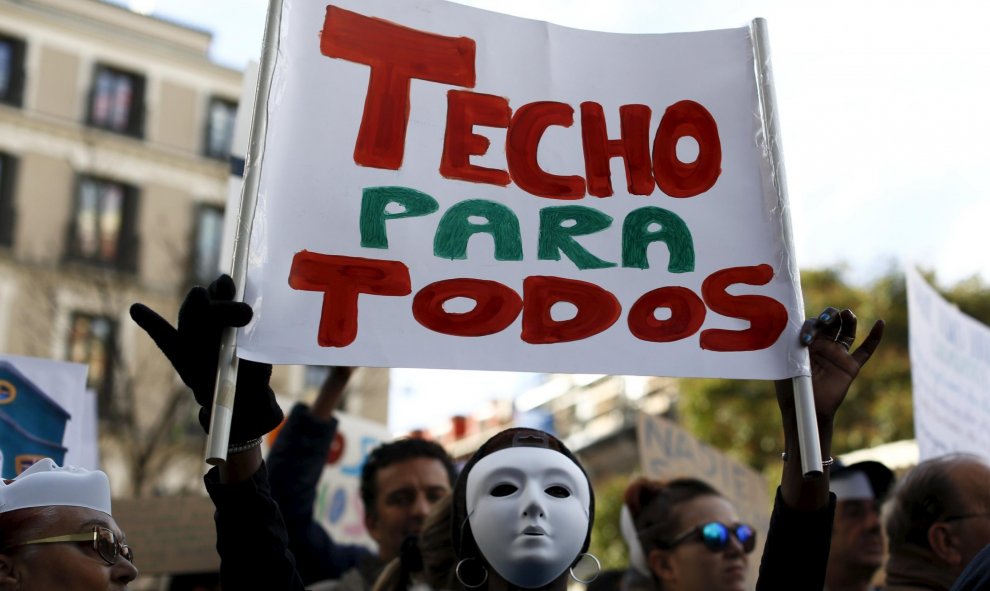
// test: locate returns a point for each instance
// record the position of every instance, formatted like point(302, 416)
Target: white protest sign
point(447, 187)
point(950, 370)
point(338, 501)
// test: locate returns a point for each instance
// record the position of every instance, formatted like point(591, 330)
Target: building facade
point(115, 132)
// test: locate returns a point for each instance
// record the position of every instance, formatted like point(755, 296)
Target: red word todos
point(342, 279)
point(397, 55)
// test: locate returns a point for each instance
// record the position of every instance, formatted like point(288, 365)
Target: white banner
point(950, 370)
point(447, 187)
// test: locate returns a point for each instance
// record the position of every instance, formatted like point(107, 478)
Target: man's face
point(857, 542)
point(68, 566)
point(406, 491)
point(972, 528)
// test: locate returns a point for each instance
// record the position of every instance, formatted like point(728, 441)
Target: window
point(8, 170)
point(92, 341)
point(102, 228)
point(117, 101)
point(11, 70)
point(209, 239)
point(220, 127)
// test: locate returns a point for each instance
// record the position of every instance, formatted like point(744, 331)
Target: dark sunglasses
point(715, 536)
point(104, 541)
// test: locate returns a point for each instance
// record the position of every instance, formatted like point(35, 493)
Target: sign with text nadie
point(442, 186)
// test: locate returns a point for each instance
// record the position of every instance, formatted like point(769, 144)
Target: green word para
point(559, 229)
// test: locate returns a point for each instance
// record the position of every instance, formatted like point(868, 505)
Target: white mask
point(528, 508)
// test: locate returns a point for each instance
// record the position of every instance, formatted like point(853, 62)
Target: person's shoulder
point(977, 573)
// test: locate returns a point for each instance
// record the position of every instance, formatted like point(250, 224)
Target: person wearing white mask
point(522, 515)
point(57, 532)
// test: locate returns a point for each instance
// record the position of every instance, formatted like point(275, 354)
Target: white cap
point(44, 484)
point(852, 486)
point(637, 560)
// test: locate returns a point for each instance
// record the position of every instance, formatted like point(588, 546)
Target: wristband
point(241, 447)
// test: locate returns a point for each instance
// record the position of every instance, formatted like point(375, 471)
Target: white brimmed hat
point(45, 484)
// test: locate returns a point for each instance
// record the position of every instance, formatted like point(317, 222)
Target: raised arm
point(295, 465)
point(250, 530)
point(829, 338)
point(797, 547)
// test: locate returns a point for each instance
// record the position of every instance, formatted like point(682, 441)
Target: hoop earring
point(457, 573)
point(597, 567)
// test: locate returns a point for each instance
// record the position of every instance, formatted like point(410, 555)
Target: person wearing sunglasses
point(690, 534)
point(57, 533)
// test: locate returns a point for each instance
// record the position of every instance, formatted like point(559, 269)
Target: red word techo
point(397, 55)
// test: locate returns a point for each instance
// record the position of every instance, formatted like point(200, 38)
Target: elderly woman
point(522, 514)
point(56, 532)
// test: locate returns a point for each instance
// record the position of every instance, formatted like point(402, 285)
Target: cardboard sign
point(170, 535)
point(666, 452)
point(447, 187)
point(950, 370)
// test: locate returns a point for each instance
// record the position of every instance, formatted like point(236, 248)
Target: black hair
point(395, 452)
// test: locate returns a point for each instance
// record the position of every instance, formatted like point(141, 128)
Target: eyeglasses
point(963, 516)
point(104, 541)
point(715, 536)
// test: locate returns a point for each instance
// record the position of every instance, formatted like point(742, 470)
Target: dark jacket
point(798, 544)
point(295, 464)
point(251, 540)
point(976, 577)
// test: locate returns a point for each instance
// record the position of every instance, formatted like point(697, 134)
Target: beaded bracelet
point(240, 447)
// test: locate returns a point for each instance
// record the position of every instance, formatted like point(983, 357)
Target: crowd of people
point(519, 514)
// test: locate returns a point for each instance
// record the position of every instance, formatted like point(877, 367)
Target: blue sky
point(883, 109)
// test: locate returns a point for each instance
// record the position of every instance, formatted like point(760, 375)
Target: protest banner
point(46, 411)
point(446, 187)
point(950, 369)
point(666, 452)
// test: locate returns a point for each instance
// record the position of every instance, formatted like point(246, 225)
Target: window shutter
point(8, 211)
point(18, 73)
point(137, 114)
point(129, 239)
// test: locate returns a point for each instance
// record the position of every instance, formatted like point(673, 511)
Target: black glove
point(194, 351)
